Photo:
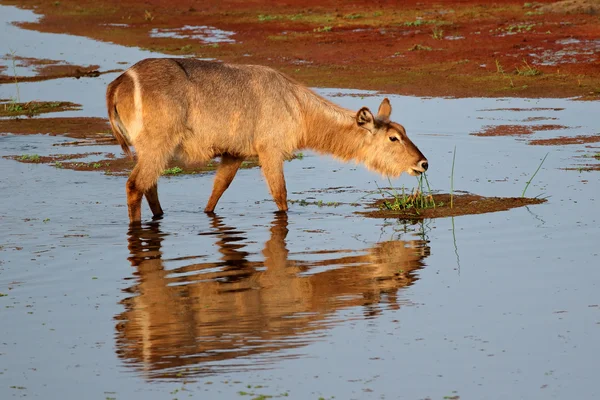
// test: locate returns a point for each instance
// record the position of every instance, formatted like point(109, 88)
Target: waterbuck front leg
point(272, 167)
point(225, 174)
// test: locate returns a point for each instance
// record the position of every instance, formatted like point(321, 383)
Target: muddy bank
point(45, 69)
point(16, 109)
point(462, 204)
point(53, 158)
point(80, 128)
point(458, 48)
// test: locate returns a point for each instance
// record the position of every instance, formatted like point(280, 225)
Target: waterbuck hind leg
point(272, 167)
point(225, 173)
point(134, 200)
point(143, 181)
point(152, 198)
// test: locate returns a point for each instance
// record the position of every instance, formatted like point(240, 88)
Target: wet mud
point(462, 48)
point(447, 205)
point(74, 127)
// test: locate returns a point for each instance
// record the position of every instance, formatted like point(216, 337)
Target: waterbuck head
point(389, 151)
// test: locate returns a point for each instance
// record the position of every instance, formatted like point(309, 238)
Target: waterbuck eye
point(394, 138)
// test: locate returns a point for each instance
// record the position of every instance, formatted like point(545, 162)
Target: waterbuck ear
point(385, 109)
point(365, 119)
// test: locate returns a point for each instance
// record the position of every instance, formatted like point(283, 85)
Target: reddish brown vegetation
point(331, 43)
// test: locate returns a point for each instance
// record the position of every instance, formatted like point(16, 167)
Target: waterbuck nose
point(424, 164)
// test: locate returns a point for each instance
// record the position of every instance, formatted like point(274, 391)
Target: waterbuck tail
point(118, 129)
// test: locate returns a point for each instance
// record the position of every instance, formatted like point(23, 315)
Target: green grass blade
point(534, 174)
point(452, 180)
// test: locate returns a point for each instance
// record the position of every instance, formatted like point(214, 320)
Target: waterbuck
point(197, 110)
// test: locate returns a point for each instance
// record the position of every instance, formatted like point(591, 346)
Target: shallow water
point(205, 34)
point(318, 303)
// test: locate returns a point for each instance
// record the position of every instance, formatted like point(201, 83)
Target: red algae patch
point(462, 204)
point(581, 139)
point(516, 130)
point(425, 48)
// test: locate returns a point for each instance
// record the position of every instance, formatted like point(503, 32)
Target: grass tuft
point(323, 29)
point(437, 33)
point(30, 158)
point(418, 47)
point(172, 171)
point(419, 198)
point(266, 17)
point(354, 16)
point(528, 70)
point(500, 70)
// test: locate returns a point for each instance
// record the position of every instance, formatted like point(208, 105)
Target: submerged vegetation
point(173, 171)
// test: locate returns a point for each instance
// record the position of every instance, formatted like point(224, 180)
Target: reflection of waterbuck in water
point(197, 110)
point(192, 311)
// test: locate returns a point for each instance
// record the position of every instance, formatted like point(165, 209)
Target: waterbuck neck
point(333, 130)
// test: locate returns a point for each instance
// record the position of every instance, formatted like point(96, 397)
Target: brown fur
point(197, 110)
